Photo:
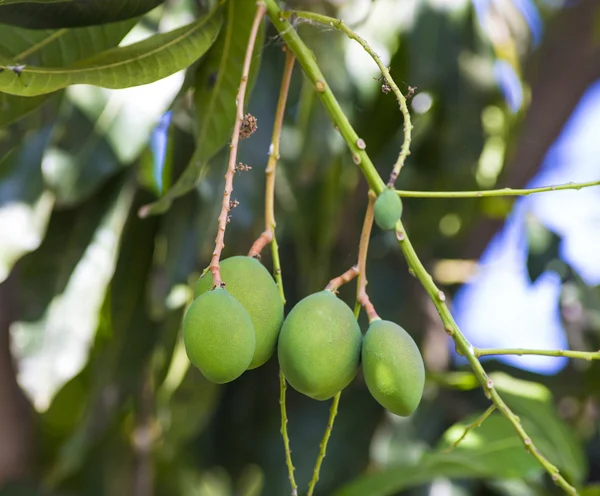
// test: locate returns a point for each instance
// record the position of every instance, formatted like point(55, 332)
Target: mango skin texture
point(250, 283)
point(393, 367)
point(319, 346)
point(218, 336)
point(388, 209)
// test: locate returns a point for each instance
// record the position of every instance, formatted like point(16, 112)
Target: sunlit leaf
point(44, 14)
point(140, 63)
point(217, 82)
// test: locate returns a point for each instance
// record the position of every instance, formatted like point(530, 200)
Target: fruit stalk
point(214, 266)
point(363, 248)
point(337, 282)
point(385, 73)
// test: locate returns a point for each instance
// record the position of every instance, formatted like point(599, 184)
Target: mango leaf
point(53, 14)
point(217, 81)
point(24, 205)
point(52, 48)
point(140, 63)
point(533, 403)
point(490, 451)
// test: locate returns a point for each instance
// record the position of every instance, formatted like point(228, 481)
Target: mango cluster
point(319, 345)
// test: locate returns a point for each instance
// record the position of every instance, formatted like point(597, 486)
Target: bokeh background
point(96, 394)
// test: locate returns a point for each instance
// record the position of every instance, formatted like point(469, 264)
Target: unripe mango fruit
point(388, 209)
point(319, 346)
point(393, 367)
point(250, 283)
point(218, 336)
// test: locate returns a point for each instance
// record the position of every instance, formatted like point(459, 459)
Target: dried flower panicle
point(249, 126)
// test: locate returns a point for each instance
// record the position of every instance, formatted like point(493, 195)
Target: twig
point(385, 72)
point(466, 349)
point(584, 355)
point(361, 290)
point(473, 425)
point(235, 137)
point(337, 282)
point(494, 192)
point(311, 69)
point(323, 449)
point(284, 434)
point(268, 234)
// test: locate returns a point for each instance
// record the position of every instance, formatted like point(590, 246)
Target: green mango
point(388, 209)
point(393, 367)
point(250, 283)
point(219, 336)
point(319, 346)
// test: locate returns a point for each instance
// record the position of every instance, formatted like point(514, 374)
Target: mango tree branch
point(307, 60)
point(385, 72)
point(494, 192)
point(214, 266)
point(466, 349)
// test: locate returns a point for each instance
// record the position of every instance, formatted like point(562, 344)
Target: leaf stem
point(214, 266)
point(494, 192)
point(584, 355)
point(361, 290)
point(473, 425)
point(323, 449)
point(385, 72)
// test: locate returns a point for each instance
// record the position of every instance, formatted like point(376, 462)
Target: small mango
point(388, 209)
point(319, 346)
point(250, 283)
point(393, 367)
point(219, 336)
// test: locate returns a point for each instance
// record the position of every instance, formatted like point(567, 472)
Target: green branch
point(385, 72)
point(473, 425)
point(494, 192)
point(357, 146)
point(311, 69)
point(584, 355)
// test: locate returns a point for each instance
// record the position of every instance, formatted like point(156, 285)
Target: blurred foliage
point(100, 292)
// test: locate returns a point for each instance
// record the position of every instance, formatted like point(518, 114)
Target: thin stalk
point(473, 425)
point(268, 236)
point(494, 192)
point(214, 266)
point(337, 282)
point(385, 72)
point(323, 449)
point(583, 355)
point(361, 290)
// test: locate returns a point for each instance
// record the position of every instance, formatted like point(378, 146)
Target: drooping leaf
point(54, 14)
point(52, 48)
point(140, 63)
point(24, 205)
point(533, 403)
point(493, 450)
point(217, 82)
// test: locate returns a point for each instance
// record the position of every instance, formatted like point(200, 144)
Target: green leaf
point(217, 83)
point(490, 451)
point(149, 60)
point(52, 48)
point(53, 14)
point(533, 403)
